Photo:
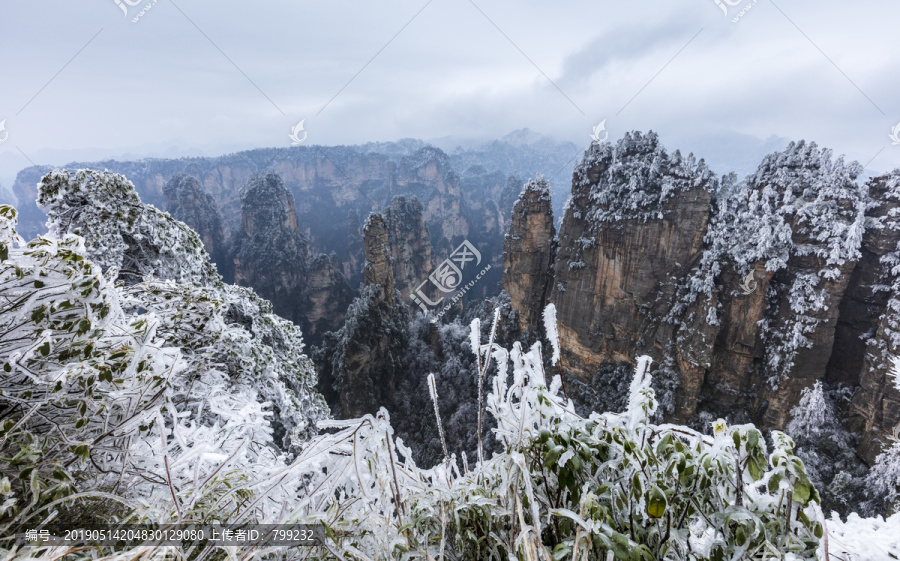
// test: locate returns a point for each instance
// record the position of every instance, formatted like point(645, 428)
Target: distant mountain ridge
point(466, 195)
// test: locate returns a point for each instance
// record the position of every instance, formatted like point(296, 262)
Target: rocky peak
point(266, 204)
point(744, 294)
point(529, 252)
point(269, 253)
point(409, 244)
point(428, 175)
point(781, 247)
point(425, 163)
point(634, 225)
point(188, 202)
point(378, 269)
point(634, 179)
point(358, 364)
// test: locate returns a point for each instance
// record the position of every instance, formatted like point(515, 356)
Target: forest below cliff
point(682, 366)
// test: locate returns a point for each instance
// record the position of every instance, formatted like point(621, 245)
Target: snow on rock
point(120, 231)
point(635, 176)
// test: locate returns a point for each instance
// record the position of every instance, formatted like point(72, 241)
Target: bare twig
point(390, 446)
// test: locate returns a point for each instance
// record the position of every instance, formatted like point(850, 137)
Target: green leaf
point(664, 443)
point(802, 491)
point(774, 482)
point(39, 284)
point(82, 451)
point(656, 503)
point(755, 471)
point(752, 438)
point(551, 455)
point(636, 488)
point(561, 551)
point(575, 462)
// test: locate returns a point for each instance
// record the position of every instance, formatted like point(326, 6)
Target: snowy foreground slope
point(135, 386)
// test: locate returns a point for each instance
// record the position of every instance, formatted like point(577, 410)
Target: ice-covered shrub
point(119, 230)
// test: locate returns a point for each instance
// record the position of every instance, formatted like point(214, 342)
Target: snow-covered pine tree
point(827, 449)
point(884, 478)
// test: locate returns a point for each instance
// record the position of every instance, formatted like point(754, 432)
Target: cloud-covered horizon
point(196, 77)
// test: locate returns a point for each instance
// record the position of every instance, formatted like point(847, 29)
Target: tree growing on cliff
point(884, 479)
point(827, 449)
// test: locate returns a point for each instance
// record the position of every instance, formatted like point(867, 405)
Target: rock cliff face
point(325, 299)
point(270, 254)
point(634, 227)
point(360, 364)
point(428, 175)
point(868, 327)
point(355, 254)
point(780, 253)
point(378, 271)
point(744, 294)
point(409, 244)
point(188, 202)
point(529, 252)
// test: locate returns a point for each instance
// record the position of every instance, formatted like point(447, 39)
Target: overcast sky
point(82, 80)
